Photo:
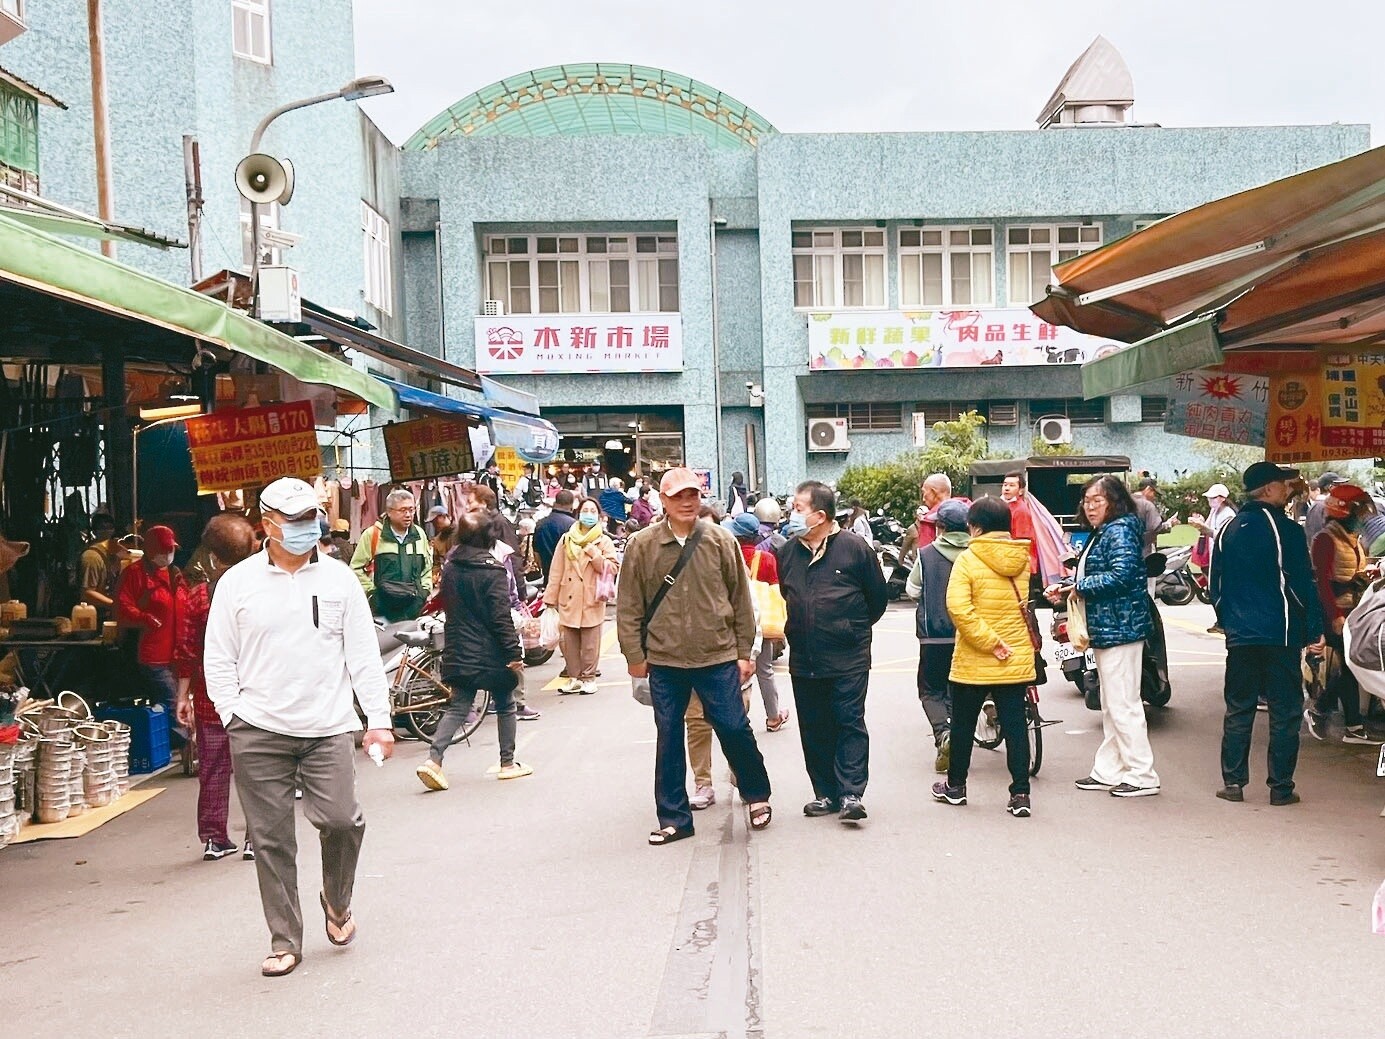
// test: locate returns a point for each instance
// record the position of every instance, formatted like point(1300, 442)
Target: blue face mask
point(298, 537)
point(587, 519)
point(798, 524)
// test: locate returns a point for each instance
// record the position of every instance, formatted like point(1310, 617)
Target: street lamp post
point(362, 86)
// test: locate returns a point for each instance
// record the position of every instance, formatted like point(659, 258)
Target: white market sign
point(549, 344)
point(869, 340)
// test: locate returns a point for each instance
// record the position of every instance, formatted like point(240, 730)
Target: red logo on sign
point(505, 343)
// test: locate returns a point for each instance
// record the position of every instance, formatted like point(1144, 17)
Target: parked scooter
point(1176, 585)
point(885, 530)
point(896, 573)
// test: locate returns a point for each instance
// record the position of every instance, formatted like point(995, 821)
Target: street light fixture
point(361, 86)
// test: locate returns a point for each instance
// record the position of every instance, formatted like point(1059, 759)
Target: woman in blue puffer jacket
point(1111, 581)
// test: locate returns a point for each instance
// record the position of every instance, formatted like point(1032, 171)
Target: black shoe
point(248, 852)
point(213, 850)
point(1232, 792)
point(945, 794)
point(1019, 806)
point(853, 811)
point(1290, 798)
point(563, 673)
point(822, 806)
point(1092, 783)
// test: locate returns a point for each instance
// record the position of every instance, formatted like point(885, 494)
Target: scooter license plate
point(1090, 657)
point(1063, 651)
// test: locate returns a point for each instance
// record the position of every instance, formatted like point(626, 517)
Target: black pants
point(1009, 710)
point(1252, 672)
point(832, 726)
point(935, 664)
point(1154, 670)
point(1343, 687)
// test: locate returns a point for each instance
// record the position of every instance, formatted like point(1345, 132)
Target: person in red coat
point(151, 598)
point(227, 540)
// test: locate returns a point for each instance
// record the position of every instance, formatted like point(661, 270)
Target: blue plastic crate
point(149, 749)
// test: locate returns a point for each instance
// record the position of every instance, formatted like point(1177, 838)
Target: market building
point(679, 281)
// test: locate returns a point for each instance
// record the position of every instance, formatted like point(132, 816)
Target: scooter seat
point(417, 637)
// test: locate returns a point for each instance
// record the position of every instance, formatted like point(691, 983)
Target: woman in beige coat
point(582, 556)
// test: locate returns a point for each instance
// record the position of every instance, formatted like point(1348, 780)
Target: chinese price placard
point(250, 447)
point(521, 344)
point(871, 340)
point(1295, 421)
point(1353, 402)
point(1230, 409)
point(429, 447)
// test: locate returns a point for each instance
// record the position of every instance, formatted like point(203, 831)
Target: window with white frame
point(15, 8)
point(270, 255)
point(838, 267)
point(379, 272)
point(946, 267)
point(583, 273)
point(1032, 251)
point(250, 30)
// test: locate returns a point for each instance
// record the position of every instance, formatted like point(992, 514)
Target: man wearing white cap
point(290, 639)
point(1220, 511)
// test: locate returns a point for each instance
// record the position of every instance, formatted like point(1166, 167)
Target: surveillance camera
point(750, 386)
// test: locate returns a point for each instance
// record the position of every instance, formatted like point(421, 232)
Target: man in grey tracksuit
point(937, 637)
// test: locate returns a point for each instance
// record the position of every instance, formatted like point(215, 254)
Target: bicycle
point(418, 695)
point(989, 736)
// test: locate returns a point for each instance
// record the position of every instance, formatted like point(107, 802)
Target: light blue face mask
point(587, 519)
point(797, 523)
point(299, 537)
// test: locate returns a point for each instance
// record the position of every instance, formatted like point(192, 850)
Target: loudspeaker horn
point(264, 179)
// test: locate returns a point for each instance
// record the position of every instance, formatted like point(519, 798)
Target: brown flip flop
point(278, 972)
point(339, 923)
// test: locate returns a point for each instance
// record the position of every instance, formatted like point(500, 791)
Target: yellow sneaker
point(430, 774)
point(513, 771)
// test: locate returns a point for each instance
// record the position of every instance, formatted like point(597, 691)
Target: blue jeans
point(719, 689)
point(163, 687)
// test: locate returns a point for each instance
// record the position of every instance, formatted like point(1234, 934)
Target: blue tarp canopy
point(535, 439)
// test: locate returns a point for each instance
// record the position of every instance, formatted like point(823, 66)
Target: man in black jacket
point(1262, 589)
point(552, 527)
point(835, 592)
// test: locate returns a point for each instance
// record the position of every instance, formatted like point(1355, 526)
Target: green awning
point(45, 264)
point(1181, 349)
point(62, 224)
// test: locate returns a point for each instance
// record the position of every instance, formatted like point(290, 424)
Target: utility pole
point(192, 176)
point(100, 122)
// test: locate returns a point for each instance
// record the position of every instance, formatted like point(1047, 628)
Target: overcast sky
point(864, 65)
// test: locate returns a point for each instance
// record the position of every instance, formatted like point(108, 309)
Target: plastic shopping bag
point(639, 689)
point(548, 629)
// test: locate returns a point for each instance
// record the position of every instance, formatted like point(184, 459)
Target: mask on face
point(587, 519)
point(798, 523)
point(298, 537)
point(1353, 522)
point(159, 561)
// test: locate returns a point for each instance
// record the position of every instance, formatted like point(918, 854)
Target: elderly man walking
point(835, 593)
point(394, 561)
point(290, 640)
point(1263, 592)
point(686, 621)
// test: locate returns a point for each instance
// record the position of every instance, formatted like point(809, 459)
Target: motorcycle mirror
point(1155, 563)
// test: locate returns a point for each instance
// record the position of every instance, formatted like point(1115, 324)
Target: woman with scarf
point(583, 555)
point(1339, 565)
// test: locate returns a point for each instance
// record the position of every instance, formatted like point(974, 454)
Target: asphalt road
point(535, 909)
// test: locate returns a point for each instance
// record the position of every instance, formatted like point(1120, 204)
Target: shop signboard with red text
point(547, 344)
point(870, 340)
point(1213, 405)
point(428, 447)
point(250, 447)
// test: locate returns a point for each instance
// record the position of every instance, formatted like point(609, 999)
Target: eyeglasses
point(1092, 499)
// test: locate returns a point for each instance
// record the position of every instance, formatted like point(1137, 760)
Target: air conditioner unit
point(1055, 430)
point(827, 434)
point(493, 308)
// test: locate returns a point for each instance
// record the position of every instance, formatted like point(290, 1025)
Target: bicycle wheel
point(988, 735)
point(1036, 738)
point(423, 724)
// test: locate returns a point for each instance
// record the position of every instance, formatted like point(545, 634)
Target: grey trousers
point(266, 766)
point(764, 675)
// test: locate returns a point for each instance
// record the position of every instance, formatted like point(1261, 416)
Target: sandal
point(278, 958)
point(669, 834)
point(339, 922)
point(760, 815)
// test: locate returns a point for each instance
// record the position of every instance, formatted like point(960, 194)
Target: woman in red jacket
point(152, 599)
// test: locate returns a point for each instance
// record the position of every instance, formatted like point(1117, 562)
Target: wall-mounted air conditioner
point(1055, 429)
point(828, 434)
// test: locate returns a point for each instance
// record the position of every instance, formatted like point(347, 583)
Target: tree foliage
point(894, 485)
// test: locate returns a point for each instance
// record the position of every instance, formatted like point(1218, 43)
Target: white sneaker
point(587, 688)
point(573, 686)
point(704, 797)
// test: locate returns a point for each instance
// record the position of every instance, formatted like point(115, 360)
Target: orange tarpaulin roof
point(1290, 243)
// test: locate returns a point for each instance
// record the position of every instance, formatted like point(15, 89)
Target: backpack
point(1363, 640)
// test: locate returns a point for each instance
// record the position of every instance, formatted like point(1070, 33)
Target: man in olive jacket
point(835, 592)
point(700, 638)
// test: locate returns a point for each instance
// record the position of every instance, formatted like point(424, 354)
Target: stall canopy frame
point(535, 439)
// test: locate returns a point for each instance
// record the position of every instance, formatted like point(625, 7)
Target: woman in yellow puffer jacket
point(993, 659)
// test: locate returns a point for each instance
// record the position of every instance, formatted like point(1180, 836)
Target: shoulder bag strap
point(668, 582)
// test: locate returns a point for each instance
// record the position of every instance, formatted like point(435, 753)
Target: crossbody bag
point(640, 686)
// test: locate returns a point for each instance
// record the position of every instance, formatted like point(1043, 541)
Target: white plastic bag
point(548, 629)
point(639, 689)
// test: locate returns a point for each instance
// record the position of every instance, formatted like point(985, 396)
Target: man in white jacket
point(290, 639)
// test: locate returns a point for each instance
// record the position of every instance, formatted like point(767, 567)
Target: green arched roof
point(592, 99)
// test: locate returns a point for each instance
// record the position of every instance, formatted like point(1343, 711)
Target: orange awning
point(1299, 229)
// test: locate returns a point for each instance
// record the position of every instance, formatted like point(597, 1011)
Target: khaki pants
point(266, 766)
point(700, 739)
point(581, 650)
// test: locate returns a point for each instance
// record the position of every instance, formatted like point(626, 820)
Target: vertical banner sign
point(1353, 402)
point(511, 466)
point(1230, 409)
point(429, 447)
point(1295, 432)
point(250, 447)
